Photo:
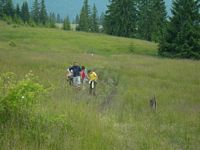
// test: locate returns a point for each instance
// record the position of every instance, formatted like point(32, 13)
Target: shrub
point(18, 97)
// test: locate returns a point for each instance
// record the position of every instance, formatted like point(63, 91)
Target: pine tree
point(8, 8)
point(159, 20)
point(102, 18)
point(66, 24)
point(77, 19)
point(94, 22)
point(43, 13)
point(36, 12)
point(52, 20)
point(18, 11)
point(145, 19)
point(85, 22)
point(183, 32)
point(25, 12)
point(120, 18)
point(1, 9)
point(58, 18)
point(17, 16)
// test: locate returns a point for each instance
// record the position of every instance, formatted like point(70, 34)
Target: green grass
point(119, 117)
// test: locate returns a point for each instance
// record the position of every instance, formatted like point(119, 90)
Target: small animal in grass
point(153, 103)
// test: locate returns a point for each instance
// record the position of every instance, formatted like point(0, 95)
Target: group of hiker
point(78, 76)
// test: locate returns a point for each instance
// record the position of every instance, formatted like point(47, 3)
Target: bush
point(18, 97)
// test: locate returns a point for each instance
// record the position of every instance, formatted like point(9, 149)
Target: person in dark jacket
point(76, 69)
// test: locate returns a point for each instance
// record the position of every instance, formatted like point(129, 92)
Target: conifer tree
point(183, 32)
point(120, 18)
point(145, 19)
point(17, 15)
point(43, 13)
point(94, 20)
point(52, 20)
point(25, 12)
point(85, 22)
point(36, 12)
point(77, 19)
point(1, 9)
point(58, 18)
point(8, 8)
point(101, 18)
point(159, 20)
point(18, 11)
point(66, 24)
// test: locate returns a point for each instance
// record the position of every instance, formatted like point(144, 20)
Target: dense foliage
point(144, 19)
point(18, 98)
point(182, 37)
point(120, 18)
point(37, 15)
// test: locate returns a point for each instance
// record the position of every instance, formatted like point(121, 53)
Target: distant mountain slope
point(72, 7)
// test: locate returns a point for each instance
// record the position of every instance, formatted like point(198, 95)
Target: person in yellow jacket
point(92, 76)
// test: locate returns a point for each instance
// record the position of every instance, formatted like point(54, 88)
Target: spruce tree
point(159, 20)
point(145, 19)
point(36, 12)
point(52, 20)
point(17, 16)
point(85, 22)
point(101, 18)
point(94, 20)
point(58, 18)
point(25, 12)
point(43, 13)
point(8, 8)
point(66, 24)
point(183, 32)
point(1, 9)
point(120, 18)
point(77, 19)
point(18, 11)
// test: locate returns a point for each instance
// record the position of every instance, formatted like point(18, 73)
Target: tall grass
point(120, 116)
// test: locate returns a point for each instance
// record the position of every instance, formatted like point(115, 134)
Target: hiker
point(92, 76)
point(76, 74)
point(69, 75)
point(83, 75)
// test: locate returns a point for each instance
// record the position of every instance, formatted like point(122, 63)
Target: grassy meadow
point(119, 117)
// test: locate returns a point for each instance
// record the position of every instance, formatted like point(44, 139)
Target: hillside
point(119, 117)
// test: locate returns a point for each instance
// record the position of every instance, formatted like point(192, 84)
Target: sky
point(72, 7)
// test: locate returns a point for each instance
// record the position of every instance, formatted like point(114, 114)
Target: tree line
point(144, 19)
point(35, 16)
point(38, 15)
point(178, 35)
